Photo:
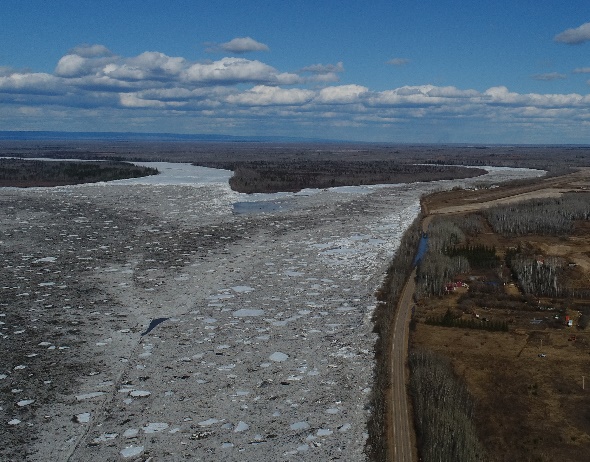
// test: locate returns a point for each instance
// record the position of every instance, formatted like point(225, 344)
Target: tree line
point(295, 175)
point(540, 216)
point(449, 320)
point(27, 173)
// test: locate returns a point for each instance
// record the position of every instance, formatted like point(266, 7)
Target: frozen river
point(262, 347)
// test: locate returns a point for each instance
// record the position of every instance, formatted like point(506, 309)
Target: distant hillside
point(131, 136)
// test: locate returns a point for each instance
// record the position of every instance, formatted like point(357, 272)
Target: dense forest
point(443, 411)
point(28, 173)
point(439, 265)
point(540, 216)
point(271, 176)
point(551, 158)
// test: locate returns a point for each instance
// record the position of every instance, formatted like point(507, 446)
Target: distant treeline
point(269, 176)
point(540, 216)
point(541, 157)
point(29, 173)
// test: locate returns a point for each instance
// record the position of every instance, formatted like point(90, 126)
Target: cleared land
point(529, 384)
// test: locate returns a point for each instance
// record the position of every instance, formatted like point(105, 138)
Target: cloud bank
point(156, 92)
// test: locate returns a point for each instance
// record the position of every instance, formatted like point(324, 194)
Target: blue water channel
point(422, 248)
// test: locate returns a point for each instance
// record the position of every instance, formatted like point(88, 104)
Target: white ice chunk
point(345, 427)
point(83, 418)
point(25, 402)
point(278, 356)
point(242, 289)
point(45, 260)
point(154, 427)
point(245, 312)
point(299, 426)
point(13, 422)
point(130, 433)
point(140, 393)
point(241, 427)
point(132, 451)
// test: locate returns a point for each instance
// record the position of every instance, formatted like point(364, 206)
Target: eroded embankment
point(387, 296)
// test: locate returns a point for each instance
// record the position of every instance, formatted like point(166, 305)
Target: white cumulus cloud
point(240, 45)
point(341, 94)
point(575, 36)
point(31, 83)
point(232, 91)
point(264, 95)
point(231, 70)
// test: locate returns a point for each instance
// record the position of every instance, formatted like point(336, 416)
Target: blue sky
point(389, 71)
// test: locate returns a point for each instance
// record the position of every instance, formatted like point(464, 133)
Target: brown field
point(527, 383)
